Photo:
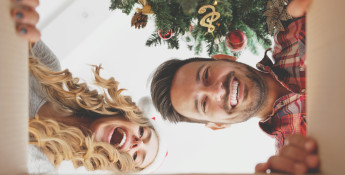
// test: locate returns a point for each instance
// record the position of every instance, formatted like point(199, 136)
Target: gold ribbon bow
point(146, 10)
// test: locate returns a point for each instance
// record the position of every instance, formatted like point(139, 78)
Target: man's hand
point(298, 8)
point(299, 155)
point(23, 12)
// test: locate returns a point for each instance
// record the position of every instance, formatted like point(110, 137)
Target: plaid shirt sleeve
point(289, 56)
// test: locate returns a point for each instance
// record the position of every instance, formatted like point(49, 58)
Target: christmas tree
point(183, 17)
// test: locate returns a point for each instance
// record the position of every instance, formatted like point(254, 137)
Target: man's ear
point(223, 57)
point(216, 126)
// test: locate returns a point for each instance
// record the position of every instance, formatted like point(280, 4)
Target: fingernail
point(19, 15)
point(23, 31)
point(299, 168)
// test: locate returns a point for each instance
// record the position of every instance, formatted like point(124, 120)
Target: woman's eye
point(141, 131)
point(135, 155)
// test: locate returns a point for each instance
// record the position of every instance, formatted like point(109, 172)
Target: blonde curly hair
point(66, 142)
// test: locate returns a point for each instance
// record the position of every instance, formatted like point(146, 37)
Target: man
point(219, 93)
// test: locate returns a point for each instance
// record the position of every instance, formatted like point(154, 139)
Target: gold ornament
point(146, 10)
point(275, 14)
point(209, 18)
point(215, 2)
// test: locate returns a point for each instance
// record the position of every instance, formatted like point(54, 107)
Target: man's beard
point(259, 90)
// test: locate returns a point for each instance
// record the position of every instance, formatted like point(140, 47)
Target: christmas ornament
point(209, 18)
point(275, 14)
point(236, 40)
point(167, 35)
point(139, 20)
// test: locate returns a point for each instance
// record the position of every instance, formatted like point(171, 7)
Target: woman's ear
point(224, 57)
point(217, 126)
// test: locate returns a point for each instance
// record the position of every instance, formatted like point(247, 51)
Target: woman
point(87, 118)
point(81, 120)
point(97, 131)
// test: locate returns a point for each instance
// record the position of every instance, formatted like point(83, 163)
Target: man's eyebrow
point(196, 106)
point(198, 72)
point(196, 102)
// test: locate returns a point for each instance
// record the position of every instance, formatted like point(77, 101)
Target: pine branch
point(173, 43)
point(244, 15)
point(198, 47)
point(126, 6)
point(154, 40)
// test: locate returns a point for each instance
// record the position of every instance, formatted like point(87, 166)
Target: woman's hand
point(299, 155)
point(24, 14)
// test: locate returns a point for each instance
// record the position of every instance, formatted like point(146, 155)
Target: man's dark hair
point(160, 88)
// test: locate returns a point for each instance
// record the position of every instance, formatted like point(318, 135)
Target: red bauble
point(166, 36)
point(236, 40)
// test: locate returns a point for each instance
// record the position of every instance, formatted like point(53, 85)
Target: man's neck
point(274, 92)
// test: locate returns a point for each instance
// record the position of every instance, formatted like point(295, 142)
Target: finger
point(28, 3)
point(283, 164)
point(25, 16)
point(313, 161)
point(311, 145)
point(28, 32)
point(293, 152)
point(261, 167)
point(298, 8)
point(297, 140)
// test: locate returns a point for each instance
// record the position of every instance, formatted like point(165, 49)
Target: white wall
point(85, 32)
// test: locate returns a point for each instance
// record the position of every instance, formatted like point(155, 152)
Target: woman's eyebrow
point(149, 135)
point(144, 152)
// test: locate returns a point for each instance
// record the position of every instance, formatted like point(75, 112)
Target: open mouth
point(118, 138)
point(234, 93)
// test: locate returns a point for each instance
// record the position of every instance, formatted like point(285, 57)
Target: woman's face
point(140, 142)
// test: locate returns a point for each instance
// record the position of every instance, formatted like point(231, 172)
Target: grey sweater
point(38, 163)
point(47, 57)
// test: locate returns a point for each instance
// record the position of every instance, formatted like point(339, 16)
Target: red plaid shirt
point(289, 111)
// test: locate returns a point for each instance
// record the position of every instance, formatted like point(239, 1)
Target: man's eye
point(141, 131)
point(204, 105)
point(135, 155)
point(206, 74)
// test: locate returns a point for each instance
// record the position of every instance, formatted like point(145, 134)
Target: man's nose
point(216, 91)
point(136, 143)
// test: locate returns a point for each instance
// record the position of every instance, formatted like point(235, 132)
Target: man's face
point(217, 91)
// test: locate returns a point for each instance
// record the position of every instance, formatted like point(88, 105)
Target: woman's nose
point(136, 143)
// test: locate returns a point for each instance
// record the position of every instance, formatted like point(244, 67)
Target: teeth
point(233, 100)
point(123, 138)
